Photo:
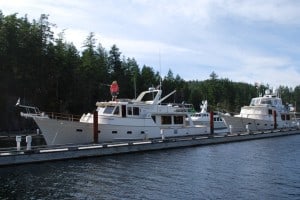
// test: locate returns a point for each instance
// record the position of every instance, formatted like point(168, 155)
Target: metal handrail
point(63, 116)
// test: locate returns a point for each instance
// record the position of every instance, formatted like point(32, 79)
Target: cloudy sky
point(242, 40)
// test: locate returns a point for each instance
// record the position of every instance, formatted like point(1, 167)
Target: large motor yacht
point(143, 118)
point(264, 113)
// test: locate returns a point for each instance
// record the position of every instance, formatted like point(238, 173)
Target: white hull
point(239, 124)
point(57, 132)
point(217, 125)
point(263, 113)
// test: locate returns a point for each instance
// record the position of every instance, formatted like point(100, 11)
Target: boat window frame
point(116, 110)
point(166, 119)
point(178, 119)
point(129, 110)
point(108, 109)
point(133, 111)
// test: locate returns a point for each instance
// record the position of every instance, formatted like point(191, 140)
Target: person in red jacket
point(114, 90)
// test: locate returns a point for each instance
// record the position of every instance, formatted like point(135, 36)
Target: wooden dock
point(12, 156)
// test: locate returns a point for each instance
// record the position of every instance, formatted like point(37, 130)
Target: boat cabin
point(267, 100)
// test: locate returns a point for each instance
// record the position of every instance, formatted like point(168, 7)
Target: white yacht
point(263, 113)
point(120, 120)
point(203, 118)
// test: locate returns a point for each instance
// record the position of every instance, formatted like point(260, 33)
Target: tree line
point(50, 73)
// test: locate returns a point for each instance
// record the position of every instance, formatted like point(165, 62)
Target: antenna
point(160, 71)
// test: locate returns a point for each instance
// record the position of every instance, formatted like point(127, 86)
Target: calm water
point(260, 169)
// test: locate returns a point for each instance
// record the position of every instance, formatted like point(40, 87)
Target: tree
point(213, 76)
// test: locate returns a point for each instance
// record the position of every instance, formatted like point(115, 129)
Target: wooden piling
point(211, 120)
point(274, 118)
point(95, 123)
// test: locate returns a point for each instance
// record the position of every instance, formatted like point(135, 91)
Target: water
point(258, 169)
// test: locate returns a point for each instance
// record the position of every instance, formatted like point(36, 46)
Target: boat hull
point(217, 125)
point(241, 124)
point(58, 132)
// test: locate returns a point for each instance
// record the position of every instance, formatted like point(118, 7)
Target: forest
point(52, 74)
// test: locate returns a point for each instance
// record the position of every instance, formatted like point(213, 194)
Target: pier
point(34, 154)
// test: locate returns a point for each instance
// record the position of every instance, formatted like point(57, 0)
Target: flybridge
point(144, 96)
point(152, 96)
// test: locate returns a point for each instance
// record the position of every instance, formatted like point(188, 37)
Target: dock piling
point(18, 140)
point(274, 118)
point(230, 129)
point(248, 129)
point(211, 122)
point(95, 123)
point(162, 134)
point(28, 141)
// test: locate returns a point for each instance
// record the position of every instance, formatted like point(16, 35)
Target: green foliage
point(52, 74)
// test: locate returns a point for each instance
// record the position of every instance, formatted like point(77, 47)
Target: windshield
point(109, 109)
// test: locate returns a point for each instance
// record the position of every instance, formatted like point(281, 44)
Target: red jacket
point(114, 88)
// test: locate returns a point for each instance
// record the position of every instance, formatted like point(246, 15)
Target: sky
point(251, 41)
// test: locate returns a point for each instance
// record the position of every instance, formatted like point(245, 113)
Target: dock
point(12, 156)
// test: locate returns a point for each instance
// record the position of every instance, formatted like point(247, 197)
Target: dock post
point(18, 140)
point(28, 141)
point(274, 118)
point(162, 134)
point(248, 129)
point(230, 129)
point(95, 123)
point(211, 120)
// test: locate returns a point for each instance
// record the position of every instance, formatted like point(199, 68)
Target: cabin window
point(266, 101)
point(288, 117)
point(117, 111)
point(133, 110)
point(129, 132)
point(114, 132)
point(178, 119)
point(136, 111)
point(129, 110)
point(108, 109)
point(217, 119)
point(166, 120)
point(270, 112)
point(154, 118)
point(283, 117)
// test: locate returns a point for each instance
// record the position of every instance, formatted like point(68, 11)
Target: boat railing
point(32, 111)
point(63, 116)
